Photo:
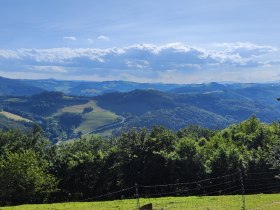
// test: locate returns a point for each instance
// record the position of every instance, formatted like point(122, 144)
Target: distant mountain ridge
point(22, 87)
point(215, 109)
point(92, 88)
point(210, 105)
point(17, 87)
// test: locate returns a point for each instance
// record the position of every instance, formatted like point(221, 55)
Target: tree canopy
point(32, 170)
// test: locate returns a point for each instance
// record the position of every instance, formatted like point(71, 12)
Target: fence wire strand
point(217, 193)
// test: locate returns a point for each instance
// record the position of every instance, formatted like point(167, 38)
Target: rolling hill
point(211, 105)
point(17, 87)
point(86, 88)
point(62, 117)
point(20, 87)
point(216, 109)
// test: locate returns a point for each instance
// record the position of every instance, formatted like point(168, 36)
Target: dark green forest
point(210, 105)
point(60, 119)
point(32, 170)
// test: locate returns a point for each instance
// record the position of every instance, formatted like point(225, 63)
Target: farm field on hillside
point(14, 117)
point(93, 119)
point(80, 108)
point(231, 202)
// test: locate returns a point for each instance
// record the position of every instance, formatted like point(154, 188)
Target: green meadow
point(91, 120)
point(231, 202)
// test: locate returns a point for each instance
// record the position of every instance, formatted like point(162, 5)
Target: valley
point(64, 116)
point(61, 117)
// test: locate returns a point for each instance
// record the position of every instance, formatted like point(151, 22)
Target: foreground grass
point(233, 202)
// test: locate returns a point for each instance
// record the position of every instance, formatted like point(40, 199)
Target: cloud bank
point(175, 62)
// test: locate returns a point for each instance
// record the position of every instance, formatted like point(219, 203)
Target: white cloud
point(145, 61)
point(103, 37)
point(9, 54)
point(246, 49)
point(71, 38)
point(49, 69)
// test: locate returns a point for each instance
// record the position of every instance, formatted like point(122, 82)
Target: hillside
point(8, 123)
point(14, 117)
point(217, 109)
point(93, 88)
point(211, 105)
point(263, 93)
point(17, 87)
point(61, 117)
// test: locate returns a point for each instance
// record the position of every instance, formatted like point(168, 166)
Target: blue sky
point(178, 41)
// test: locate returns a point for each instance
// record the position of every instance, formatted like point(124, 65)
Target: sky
point(178, 41)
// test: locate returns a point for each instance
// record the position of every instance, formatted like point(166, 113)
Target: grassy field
point(260, 201)
point(14, 100)
point(80, 108)
point(13, 116)
point(92, 120)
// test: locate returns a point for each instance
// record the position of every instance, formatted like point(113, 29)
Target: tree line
point(32, 170)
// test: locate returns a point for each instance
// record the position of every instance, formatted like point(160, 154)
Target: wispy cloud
point(146, 62)
point(57, 69)
point(103, 37)
point(71, 38)
point(246, 49)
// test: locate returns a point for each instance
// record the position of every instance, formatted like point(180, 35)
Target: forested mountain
point(127, 104)
point(217, 109)
point(86, 88)
point(29, 87)
point(17, 87)
point(59, 115)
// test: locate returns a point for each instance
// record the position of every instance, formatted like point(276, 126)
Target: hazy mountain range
point(30, 87)
point(211, 105)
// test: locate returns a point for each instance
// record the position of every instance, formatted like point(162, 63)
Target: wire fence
point(240, 191)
